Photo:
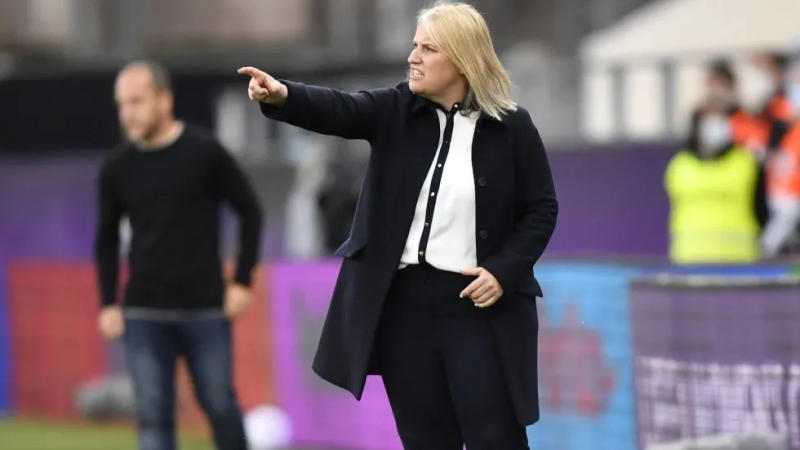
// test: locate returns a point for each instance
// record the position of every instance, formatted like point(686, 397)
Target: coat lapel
point(412, 167)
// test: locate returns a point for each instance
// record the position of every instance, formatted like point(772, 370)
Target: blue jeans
point(152, 347)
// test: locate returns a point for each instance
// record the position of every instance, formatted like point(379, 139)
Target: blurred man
point(774, 112)
point(782, 234)
point(722, 95)
point(169, 180)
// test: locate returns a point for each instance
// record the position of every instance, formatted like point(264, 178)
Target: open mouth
point(415, 74)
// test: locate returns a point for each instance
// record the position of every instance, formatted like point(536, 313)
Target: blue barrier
point(762, 271)
point(585, 359)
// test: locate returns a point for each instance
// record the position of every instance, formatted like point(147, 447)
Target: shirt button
point(483, 234)
point(482, 181)
point(421, 253)
point(439, 166)
point(433, 194)
point(427, 224)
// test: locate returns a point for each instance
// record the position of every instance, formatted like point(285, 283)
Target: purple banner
point(48, 207)
point(716, 355)
point(611, 201)
point(321, 413)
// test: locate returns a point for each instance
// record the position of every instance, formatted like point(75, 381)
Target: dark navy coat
point(516, 212)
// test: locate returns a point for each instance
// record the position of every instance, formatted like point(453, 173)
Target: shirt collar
point(421, 104)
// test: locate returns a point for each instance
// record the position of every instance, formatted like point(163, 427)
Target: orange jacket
point(762, 133)
point(783, 166)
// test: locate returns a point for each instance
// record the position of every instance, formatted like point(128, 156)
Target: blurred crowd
point(734, 188)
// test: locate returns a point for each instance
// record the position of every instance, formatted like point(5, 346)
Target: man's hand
point(237, 300)
point(264, 88)
point(484, 290)
point(110, 322)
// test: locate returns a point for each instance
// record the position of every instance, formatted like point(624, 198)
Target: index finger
point(253, 72)
point(473, 271)
point(471, 288)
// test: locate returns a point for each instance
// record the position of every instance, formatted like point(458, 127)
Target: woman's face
point(431, 73)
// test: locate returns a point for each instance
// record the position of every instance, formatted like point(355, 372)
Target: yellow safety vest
point(712, 216)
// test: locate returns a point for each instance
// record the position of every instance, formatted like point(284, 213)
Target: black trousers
point(436, 354)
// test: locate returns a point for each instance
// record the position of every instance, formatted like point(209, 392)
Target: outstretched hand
point(263, 88)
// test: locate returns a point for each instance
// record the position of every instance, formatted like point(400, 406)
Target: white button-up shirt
point(451, 245)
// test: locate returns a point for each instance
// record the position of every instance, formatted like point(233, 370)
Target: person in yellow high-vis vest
point(716, 195)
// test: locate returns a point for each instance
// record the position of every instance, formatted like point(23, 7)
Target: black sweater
point(172, 198)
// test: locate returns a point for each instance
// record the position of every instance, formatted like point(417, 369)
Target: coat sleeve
point(536, 208)
point(332, 112)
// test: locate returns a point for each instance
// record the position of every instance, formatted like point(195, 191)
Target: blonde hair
point(464, 37)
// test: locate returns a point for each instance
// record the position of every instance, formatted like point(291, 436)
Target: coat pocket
point(352, 247)
point(530, 287)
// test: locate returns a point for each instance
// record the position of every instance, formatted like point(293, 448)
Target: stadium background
point(610, 83)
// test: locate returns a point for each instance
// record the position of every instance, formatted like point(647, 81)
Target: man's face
point(721, 92)
point(140, 106)
point(768, 68)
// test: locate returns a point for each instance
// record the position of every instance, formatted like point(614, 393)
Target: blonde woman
point(436, 290)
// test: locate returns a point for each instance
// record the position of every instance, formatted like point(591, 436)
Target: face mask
point(713, 135)
point(793, 93)
point(763, 87)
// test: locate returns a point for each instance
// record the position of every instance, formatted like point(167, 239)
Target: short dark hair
point(779, 60)
point(722, 68)
point(162, 81)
